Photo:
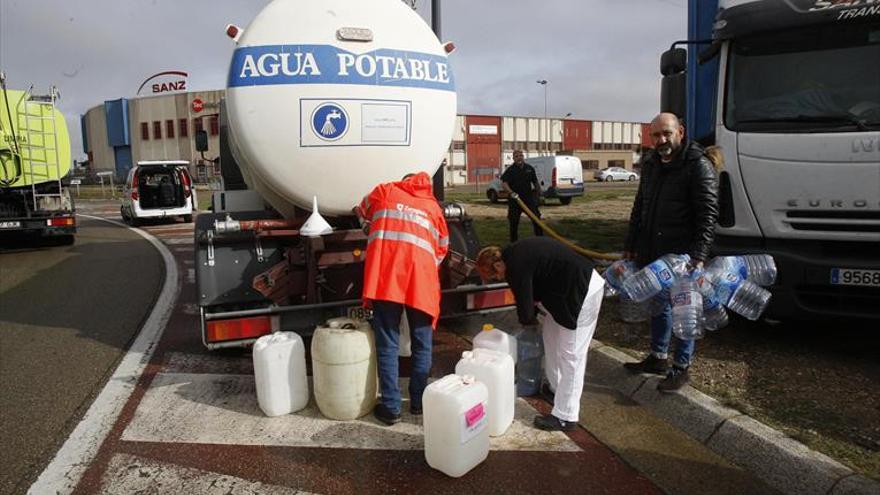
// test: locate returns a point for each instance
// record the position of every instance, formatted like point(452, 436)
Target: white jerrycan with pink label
point(497, 340)
point(495, 370)
point(456, 424)
point(280, 373)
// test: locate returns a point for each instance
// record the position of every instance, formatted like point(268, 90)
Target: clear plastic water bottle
point(630, 311)
point(616, 273)
point(687, 309)
point(758, 268)
point(530, 352)
point(714, 314)
point(656, 276)
point(749, 300)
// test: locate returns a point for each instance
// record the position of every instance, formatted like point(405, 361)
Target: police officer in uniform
point(520, 180)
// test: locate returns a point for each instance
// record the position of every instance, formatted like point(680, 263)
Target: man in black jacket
point(521, 180)
point(675, 211)
point(568, 293)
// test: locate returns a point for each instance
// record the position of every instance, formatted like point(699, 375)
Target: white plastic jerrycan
point(495, 370)
point(497, 340)
point(344, 368)
point(456, 424)
point(280, 373)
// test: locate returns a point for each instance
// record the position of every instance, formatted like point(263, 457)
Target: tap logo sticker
point(329, 121)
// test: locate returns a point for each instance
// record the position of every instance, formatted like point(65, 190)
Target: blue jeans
point(386, 324)
point(661, 333)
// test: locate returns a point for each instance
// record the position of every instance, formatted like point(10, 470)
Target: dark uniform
point(522, 180)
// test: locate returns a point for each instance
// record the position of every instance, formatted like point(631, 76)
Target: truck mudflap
point(255, 275)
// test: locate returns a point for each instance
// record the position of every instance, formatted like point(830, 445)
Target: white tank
point(495, 370)
point(344, 368)
point(456, 424)
point(280, 373)
point(331, 98)
point(496, 340)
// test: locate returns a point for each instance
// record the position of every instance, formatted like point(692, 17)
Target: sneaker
point(552, 423)
point(415, 410)
point(384, 415)
point(547, 393)
point(650, 364)
point(675, 379)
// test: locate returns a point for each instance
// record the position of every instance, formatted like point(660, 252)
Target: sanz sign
point(165, 82)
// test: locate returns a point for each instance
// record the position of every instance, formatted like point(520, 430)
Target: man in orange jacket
point(408, 240)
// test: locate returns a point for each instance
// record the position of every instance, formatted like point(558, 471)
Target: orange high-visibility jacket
point(407, 242)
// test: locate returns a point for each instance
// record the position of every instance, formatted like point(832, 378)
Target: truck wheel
point(187, 219)
point(566, 200)
point(66, 240)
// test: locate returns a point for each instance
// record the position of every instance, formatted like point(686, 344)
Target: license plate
point(855, 276)
point(360, 313)
point(10, 225)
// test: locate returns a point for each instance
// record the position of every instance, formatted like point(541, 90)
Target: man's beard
point(665, 150)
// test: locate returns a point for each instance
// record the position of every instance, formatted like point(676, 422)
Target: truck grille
point(834, 221)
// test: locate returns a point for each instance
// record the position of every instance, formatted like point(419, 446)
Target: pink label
point(474, 414)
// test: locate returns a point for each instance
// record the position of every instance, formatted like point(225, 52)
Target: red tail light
point(187, 183)
point(61, 222)
point(553, 180)
point(134, 187)
point(242, 328)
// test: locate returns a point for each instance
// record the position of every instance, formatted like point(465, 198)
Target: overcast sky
point(600, 57)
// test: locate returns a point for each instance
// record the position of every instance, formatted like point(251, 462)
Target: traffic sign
point(197, 105)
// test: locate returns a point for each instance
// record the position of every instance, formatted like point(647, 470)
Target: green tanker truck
point(34, 158)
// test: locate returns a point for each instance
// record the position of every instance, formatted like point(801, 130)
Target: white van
point(560, 177)
point(158, 189)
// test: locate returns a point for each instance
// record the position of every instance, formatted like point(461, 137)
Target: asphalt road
point(67, 315)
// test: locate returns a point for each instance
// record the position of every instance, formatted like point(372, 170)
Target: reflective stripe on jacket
point(408, 241)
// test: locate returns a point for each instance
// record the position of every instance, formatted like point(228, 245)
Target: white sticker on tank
point(354, 122)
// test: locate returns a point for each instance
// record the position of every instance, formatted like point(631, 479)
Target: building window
point(214, 125)
point(590, 164)
point(169, 129)
point(616, 163)
point(197, 125)
point(145, 131)
point(458, 145)
point(157, 129)
point(183, 127)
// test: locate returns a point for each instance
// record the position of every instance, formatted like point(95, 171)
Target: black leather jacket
point(676, 207)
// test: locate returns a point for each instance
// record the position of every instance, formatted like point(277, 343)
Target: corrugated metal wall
point(483, 138)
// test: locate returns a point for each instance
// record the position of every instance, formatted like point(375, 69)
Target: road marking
point(189, 407)
point(67, 467)
point(178, 240)
point(132, 474)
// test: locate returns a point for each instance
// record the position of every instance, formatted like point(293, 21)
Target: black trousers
point(513, 214)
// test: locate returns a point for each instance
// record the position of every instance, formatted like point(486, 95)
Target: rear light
point(490, 299)
point(61, 222)
point(187, 183)
point(134, 187)
point(238, 329)
point(553, 180)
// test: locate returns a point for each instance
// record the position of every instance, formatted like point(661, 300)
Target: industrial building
point(119, 133)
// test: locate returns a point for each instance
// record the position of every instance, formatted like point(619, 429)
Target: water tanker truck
point(790, 91)
point(34, 158)
point(325, 100)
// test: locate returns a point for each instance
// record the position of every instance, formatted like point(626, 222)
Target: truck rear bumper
point(803, 287)
point(48, 225)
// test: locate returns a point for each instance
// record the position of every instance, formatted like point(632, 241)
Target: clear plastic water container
point(749, 300)
point(497, 340)
point(687, 309)
point(280, 373)
point(714, 314)
point(495, 370)
point(529, 371)
point(344, 368)
point(456, 424)
point(615, 275)
point(757, 268)
point(655, 277)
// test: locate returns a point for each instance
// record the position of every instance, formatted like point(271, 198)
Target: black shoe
point(547, 393)
point(650, 364)
point(415, 410)
point(552, 423)
point(675, 379)
point(384, 415)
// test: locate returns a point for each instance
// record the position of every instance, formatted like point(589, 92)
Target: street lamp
point(543, 82)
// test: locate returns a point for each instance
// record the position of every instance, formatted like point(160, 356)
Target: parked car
point(158, 189)
point(561, 177)
point(615, 173)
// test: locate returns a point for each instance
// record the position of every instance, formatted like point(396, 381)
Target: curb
point(785, 464)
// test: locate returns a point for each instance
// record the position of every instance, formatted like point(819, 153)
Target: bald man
point(675, 211)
